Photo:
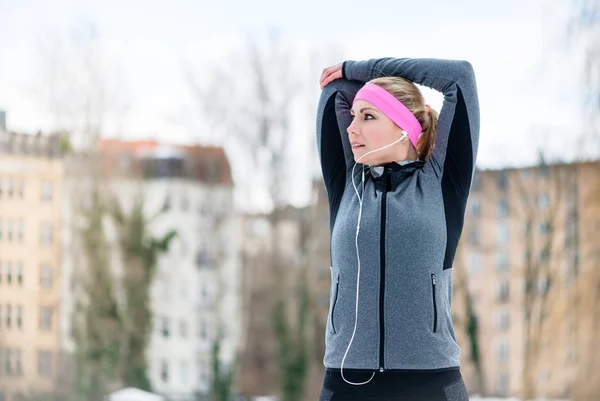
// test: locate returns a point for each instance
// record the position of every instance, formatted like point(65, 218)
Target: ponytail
point(410, 96)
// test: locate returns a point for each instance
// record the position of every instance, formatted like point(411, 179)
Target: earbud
point(360, 201)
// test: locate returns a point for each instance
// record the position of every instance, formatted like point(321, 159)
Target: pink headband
point(393, 108)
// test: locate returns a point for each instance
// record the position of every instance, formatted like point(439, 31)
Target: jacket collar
point(397, 172)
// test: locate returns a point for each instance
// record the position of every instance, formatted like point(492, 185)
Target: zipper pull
point(433, 279)
point(381, 370)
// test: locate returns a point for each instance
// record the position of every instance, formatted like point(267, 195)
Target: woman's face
point(371, 129)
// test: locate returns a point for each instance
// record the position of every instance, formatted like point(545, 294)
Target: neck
point(410, 155)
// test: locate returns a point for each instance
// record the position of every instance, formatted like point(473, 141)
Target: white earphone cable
point(360, 201)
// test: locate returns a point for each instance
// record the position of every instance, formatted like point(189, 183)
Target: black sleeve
point(335, 153)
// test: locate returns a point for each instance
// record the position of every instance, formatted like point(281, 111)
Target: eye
point(369, 117)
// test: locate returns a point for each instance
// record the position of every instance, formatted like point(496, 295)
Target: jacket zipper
point(434, 304)
point(388, 187)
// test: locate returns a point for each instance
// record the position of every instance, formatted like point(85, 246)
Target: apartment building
point(196, 295)
point(528, 235)
point(31, 181)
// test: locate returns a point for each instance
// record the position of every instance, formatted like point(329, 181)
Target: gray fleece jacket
point(412, 220)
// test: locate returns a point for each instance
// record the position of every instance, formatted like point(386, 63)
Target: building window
point(502, 208)
point(164, 371)
point(502, 180)
point(8, 368)
point(202, 259)
point(46, 191)
point(167, 202)
point(502, 351)
point(502, 321)
point(502, 262)
point(46, 276)
point(502, 233)
point(21, 189)
point(545, 227)
point(203, 330)
point(502, 291)
point(11, 188)
point(543, 285)
point(473, 236)
point(9, 272)
point(20, 230)
point(183, 329)
point(184, 372)
point(1, 230)
point(543, 201)
point(18, 362)
point(8, 316)
point(20, 316)
point(9, 233)
point(46, 234)
point(203, 369)
point(165, 327)
point(45, 318)
point(204, 300)
point(20, 274)
point(45, 364)
point(502, 384)
point(475, 207)
point(474, 260)
point(543, 171)
point(544, 254)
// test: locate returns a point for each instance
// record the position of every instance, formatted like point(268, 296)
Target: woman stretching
point(397, 179)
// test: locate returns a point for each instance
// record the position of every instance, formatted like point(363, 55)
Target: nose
point(352, 129)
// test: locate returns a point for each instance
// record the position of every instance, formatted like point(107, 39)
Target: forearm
point(438, 74)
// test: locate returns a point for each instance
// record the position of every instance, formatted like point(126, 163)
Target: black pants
point(392, 386)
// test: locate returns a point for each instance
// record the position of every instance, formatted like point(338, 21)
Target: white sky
point(528, 82)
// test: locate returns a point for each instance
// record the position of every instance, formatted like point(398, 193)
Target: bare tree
point(583, 29)
point(80, 85)
point(265, 83)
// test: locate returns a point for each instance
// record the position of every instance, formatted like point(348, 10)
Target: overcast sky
point(527, 78)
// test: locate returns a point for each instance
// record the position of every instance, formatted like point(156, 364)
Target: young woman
point(397, 179)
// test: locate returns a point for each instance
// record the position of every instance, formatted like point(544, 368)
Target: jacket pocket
point(434, 303)
point(336, 285)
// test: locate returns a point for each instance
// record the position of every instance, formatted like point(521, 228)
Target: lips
point(356, 145)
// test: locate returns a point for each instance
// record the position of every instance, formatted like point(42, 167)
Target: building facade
point(196, 295)
point(31, 180)
point(529, 234)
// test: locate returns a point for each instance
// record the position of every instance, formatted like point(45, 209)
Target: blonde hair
point(411, 97)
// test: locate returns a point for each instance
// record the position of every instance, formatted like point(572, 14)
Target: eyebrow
point(364, 108)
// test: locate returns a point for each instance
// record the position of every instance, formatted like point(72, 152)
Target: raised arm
point(335, 152)
point(458, 126)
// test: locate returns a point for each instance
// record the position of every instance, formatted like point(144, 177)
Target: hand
point(330, 74)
